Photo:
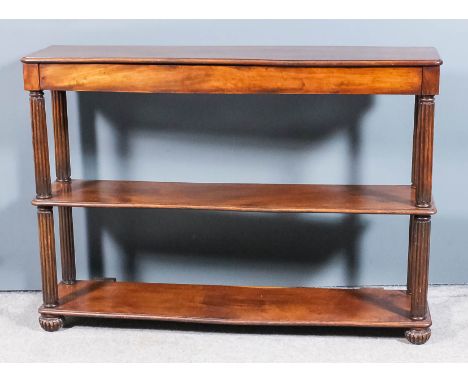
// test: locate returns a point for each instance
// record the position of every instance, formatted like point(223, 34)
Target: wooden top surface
point(349, 56)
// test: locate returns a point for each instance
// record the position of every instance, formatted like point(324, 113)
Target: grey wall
point(274, 139)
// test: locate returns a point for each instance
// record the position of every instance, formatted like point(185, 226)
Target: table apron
point(223, 79)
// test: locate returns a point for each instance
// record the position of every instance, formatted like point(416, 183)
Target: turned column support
point(414, 152)
point(40, 144)
point(62, 147)
point(409, 273)
point(423, 149)
point(63, 173)
point(67, 247)
point(47, 253)
point(418, 268)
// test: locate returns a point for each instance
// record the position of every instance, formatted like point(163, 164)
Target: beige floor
point(22, 339)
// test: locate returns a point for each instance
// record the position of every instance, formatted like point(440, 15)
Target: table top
point(303, 56)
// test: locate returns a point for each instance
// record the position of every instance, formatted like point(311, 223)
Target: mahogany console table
point(232, 70)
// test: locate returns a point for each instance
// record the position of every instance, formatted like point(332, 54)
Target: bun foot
point(418, 336)
point(51, 324)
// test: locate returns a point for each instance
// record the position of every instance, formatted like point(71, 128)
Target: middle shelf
point(398, 200)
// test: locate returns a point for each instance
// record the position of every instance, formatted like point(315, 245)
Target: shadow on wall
point(262, 241)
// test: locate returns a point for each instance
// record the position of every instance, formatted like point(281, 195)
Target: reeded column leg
point(420, 226)
point(47, 252)
point(420, 246)
point(414, 164)
point(422, 150)
point(419, 275)
point(409, 274)
point(48, 267)
point(40, 145)
point(67, 248)
point(45, 214)
point(63, 173)
point(414, 172)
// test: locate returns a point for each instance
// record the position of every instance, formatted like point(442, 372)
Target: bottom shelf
point(366, 307)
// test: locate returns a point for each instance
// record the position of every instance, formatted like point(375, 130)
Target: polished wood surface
point(240, 55)
point(230, 79)
point(236, 197)
point(370, 307)
point(31, 77)
point(235, 70)
point(430, 82)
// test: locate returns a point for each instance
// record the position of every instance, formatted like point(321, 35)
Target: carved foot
point(418, 336)
point(50, 324)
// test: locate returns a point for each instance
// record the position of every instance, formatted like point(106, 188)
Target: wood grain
point(430, 82)
point(31, 77)
point(216, 304)
point(236, 197)
point(229, 79)
point(240, 55)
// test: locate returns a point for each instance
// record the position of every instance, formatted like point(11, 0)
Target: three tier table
point(231, 70)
